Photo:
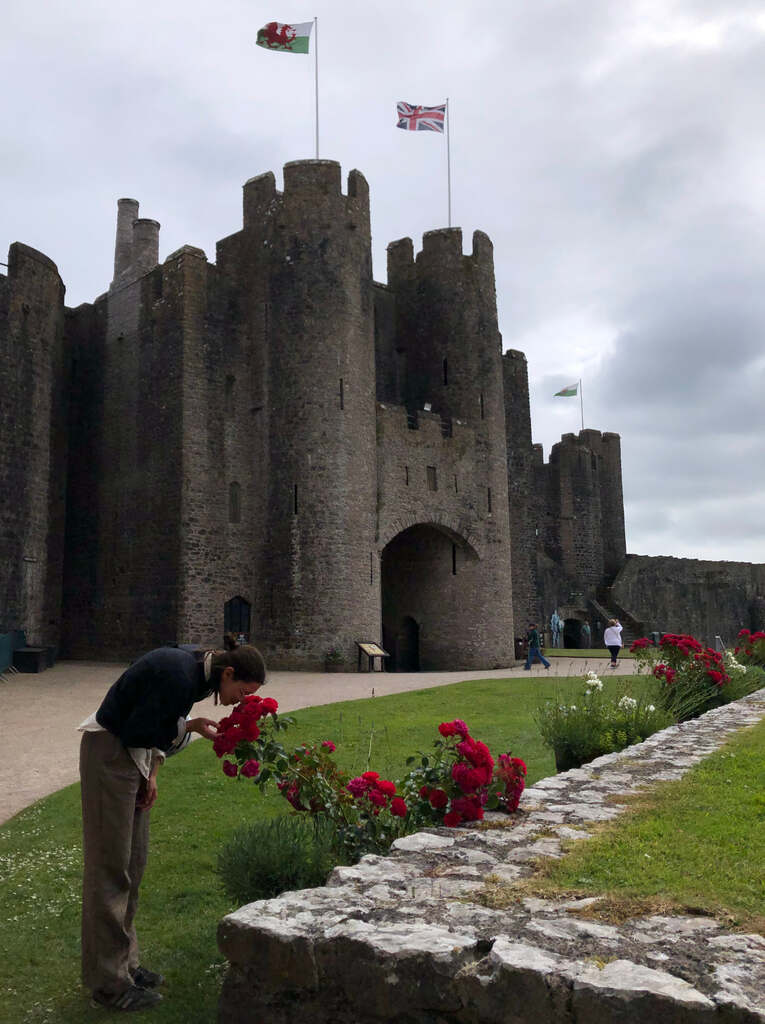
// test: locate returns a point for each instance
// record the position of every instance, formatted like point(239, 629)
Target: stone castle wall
point(34, 372)
point(687, 595)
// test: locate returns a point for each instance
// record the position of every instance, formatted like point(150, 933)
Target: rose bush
point(453, 786)
point(690, 678)
point(751, 648)
point(461, 780)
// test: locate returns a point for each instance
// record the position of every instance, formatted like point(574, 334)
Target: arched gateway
point(434, 609)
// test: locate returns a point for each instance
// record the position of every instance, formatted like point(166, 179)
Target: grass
point(584, 652)
point(676, 849)
point(198, 809)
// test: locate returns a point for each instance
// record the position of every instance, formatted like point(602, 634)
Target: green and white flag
point(569, 392)
point(293, 38)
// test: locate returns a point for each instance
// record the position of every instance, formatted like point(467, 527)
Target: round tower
point(319, 567)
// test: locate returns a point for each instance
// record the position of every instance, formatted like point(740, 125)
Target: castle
point(278, 445)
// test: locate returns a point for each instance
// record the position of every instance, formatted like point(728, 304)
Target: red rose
point(438, 799)
point(452, 819)
point(447, 729)
point(386, 787)
point(377, 798)
point(398, 807)
point(329, 745)
point(370, 776)
point(250, 769)
point(424, 792)
point(269, 705)
point(230, 769)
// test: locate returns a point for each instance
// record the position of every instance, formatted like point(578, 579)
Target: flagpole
point(448, 163)
point(581, 401)
point(316, 77)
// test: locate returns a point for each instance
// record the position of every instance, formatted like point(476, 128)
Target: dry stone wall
point(399, 936)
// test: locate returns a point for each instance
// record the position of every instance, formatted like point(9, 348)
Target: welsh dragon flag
point(293, 38)
point(569, 392)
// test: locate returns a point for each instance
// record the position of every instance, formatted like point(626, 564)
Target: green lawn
point(583, 652)
point(198, 808)
point(698, 843)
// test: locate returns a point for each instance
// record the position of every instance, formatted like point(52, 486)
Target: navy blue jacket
point(143, 707)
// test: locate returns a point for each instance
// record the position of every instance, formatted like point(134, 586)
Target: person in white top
point(612, 638)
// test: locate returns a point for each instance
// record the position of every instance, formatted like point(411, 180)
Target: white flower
point(627, 703)
point(651, 707)
point(573, 707)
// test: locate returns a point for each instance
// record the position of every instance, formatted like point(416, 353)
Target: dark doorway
point(236, 617)
point(572, 633)
point(407, 646)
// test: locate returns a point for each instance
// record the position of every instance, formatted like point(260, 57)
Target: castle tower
point(33, 448)
point(522, 466)
point(449, 368)
point(298, 278)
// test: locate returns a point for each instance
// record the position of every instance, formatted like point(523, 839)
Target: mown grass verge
point(696, 845)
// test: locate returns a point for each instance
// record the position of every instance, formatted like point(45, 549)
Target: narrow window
point(482, 405)
point(454, 559)
point(342, 397)
point(295, 501)
point(228, 402)
point(234, 503)
point(432, 479)
point(406, 475)
point(456, 489)
point(446, 372)
point(488, 498)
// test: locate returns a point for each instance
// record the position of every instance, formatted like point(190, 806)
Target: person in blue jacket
point(141, 720)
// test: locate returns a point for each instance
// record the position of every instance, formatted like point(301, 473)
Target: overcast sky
point(613, 151)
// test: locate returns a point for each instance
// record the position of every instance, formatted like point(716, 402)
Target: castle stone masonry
point(277, 444)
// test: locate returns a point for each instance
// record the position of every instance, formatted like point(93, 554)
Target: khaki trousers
point(115, 847)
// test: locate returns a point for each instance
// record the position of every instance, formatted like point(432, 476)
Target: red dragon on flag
point(288, 38)
point(275, 35)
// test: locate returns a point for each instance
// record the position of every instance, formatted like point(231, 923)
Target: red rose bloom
point(329, 745)
point(447, 729)
point(230, 769)
point(370, 776)
point(438, 799)
point(386, 787)
point(250, 768)
point(269, 705)
point(424, 792)
point(377, 798)
point(398, 807)
point(452, 818)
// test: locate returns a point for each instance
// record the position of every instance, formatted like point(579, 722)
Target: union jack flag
point(420, 119)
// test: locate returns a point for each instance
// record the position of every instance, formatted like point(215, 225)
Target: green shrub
point(595, 725)
point(269, 857)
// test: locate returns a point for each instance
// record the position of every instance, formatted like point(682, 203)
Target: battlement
point(441, 248)
point(306, 182)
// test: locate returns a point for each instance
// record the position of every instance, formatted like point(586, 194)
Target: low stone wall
point(397, 936)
